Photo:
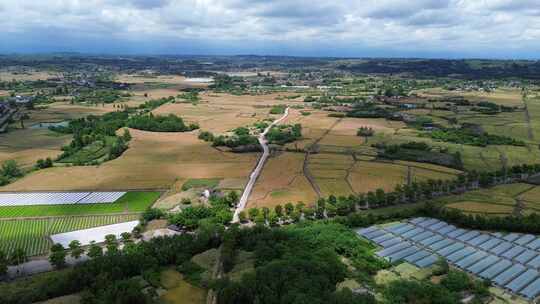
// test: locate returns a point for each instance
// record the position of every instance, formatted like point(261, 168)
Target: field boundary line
point(90, 190)
point(309, 176)
point(29, 218)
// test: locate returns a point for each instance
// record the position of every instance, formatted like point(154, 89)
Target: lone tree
point(95, 250)
point(126, 237)
point(75, 249)
point(18, 256)
point(10, 169)
point(58, 256)
point(242, 216)
point(111, 243)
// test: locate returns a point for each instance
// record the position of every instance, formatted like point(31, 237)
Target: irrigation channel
point(257, 171)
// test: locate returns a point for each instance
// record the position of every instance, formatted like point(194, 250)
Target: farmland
point(331, 158)
point(500, 200)
point(131, 202)
point(32, 235)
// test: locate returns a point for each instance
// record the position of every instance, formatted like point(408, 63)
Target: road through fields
point(258, 169)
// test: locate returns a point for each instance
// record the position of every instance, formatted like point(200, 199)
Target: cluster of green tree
point(283, 134)
point(449, 291)
point(391, 91)
point(368, 110)
point(97, 96)
point(15, 257)
point(9, 171)
point(299, 264)
point(224, 83)
point(158, 123)
point(278, 109)
point(467, 137)
point(98, 130)
point(219, 212)
point(365, 132)
point(240, 141)
point(44, 163)
point(487, 107)
point(529, 223)
point(155, 103)
point(326, 99)
point(192, 96)
point(420, 152)
point(110, 277)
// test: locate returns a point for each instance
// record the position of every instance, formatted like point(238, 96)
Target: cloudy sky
point(359, 28)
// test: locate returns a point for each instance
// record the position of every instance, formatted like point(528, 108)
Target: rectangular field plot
point(511, 261)
point(129, 202)
point(57, 198)
point(33, 235)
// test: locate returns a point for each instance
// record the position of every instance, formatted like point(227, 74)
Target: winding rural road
point(257, 171)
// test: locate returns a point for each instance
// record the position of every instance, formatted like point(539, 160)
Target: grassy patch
point(93, 151)
point(179, 291)
point(135, 201)
point(200, 183)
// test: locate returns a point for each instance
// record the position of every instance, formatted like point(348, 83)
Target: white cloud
point(425, 26)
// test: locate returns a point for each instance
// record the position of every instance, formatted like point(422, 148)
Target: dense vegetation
point(94, 138)
point(9, 171)
point(279, 109)
point(155, 103)
point(420, 152)
point(368, 110)
point(298, 265)
point(467, 137)
point(365, 132)
point(283, 134)
point(169, 123)
point(109, 277)
point(94, 96)
point(240, 141)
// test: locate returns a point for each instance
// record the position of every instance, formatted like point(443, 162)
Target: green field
point(131, 202)
point(200, 183)
point(33, 235)
point(498, 200)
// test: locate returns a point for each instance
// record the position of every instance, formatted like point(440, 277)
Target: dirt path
point(309, 176)
point(258, 169)
point(528, 119)
point(520, 205)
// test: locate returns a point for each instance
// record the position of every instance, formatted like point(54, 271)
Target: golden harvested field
point(61, 111)
point(282, 180)
point(368, 176)
point(30, 75)
point(154, 160)
point(532, 195)
point(26, 146)
point(314, 127)
point(222, 112)
point(331, 186)
point(479, 207)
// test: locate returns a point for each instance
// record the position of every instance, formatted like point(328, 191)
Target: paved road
point(257, 171)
